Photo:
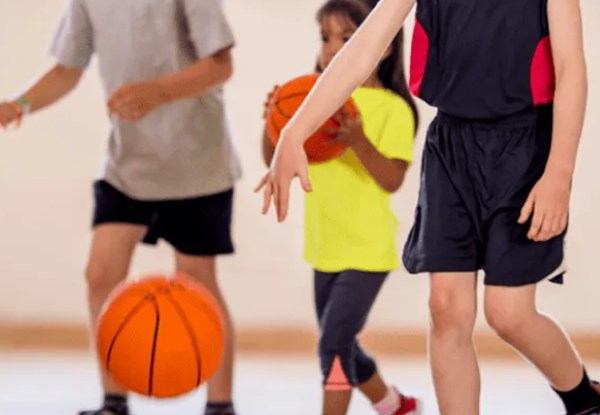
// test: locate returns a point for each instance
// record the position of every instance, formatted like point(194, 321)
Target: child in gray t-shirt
point(171, 165)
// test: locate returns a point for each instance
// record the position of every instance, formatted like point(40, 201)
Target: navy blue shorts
point(475, 178)
point(195, 226)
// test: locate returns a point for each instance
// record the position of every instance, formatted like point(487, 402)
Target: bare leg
point(374, 389)
point(203, 269)
point(453, 304)
point(336, 402)
point(512, 313)
point(108, 265)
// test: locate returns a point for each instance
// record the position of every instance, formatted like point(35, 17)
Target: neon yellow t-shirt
point(349, 223)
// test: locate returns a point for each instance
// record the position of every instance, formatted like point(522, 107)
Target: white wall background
point(46, 171)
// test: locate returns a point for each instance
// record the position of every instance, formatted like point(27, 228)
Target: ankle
point(389, 404)
point(219, 408)
point(581, 398)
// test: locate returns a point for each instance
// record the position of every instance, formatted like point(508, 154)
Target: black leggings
point(343, 301)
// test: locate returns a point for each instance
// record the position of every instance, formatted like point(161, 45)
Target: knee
point(505, 320)
point(452, 315)
point(336, 359)
point(334, 344)
point(101, 278)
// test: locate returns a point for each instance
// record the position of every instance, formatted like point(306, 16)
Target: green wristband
point(25, 104)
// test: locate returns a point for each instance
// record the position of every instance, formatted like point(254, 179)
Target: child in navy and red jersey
point(509, 81)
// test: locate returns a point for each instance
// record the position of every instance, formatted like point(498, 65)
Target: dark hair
point(391, 71)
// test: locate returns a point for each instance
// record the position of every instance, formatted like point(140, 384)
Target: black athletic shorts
point(195, 226)
point(475, 178)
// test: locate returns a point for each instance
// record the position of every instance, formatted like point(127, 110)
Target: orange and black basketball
point(284, 103)
point(161, 337)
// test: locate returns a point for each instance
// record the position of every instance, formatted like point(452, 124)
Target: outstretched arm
point(51, 87)
point(355, 62)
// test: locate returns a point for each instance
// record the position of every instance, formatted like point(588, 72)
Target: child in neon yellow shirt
point(350, 229)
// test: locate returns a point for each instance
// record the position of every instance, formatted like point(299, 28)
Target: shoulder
point(397, 103)
point(398, 108)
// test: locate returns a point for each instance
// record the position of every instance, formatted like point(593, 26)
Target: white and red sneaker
point(408, 405)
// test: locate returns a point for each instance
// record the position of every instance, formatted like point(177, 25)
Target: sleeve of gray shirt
point(209, 30)
point(73, 44)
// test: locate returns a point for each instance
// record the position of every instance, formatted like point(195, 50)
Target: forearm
point(197, 79)
point(569, 112)
point(52, 86)
point(355, 62)
point(388, 173)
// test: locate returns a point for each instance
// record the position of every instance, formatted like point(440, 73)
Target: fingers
point(563, 223)
point(11, 113)
point(267, 196)
point(346, 113)
point(4, 121)
point(121, 103)
point(126, 104)
point(305, 181)
point(128, 108)
point(545, 232)
point(339, 118)
point(555, 228)
point(262, 183)
point(553, 225)
point(282, 199)
point(117, 99)
point(536, 225)
point(527, 208)
point(130, 114)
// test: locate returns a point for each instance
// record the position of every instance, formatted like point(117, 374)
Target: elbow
point(395, 181)
point(393, 186)
point(571, 72)
point(224, 60)
point(227, 71)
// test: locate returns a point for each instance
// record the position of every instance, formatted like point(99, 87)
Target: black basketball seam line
point(284, 113)
point(278, 101)
point(182, 289)
point(290, 96)
point(207, 310)
point(126, 320)
point(154, 341)
point(190, 332)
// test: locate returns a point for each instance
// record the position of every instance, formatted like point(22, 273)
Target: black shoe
point(596, 410)
point(104, 411)
point(592, 411)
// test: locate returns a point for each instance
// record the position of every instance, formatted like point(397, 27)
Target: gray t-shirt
point(182, 149)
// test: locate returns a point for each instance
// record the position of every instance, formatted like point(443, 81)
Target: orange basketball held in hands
point(284, 103)
point(161, 337)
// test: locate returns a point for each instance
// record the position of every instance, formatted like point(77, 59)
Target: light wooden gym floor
point(60, 383)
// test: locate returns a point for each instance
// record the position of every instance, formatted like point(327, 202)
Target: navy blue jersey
point(482, 59)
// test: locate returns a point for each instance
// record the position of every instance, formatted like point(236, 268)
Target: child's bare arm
point(199, 78)
point(348, 70)
point(549, 200)
point(51, 87)
point(136, 100)
point(355, 62)
point(571, 84)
